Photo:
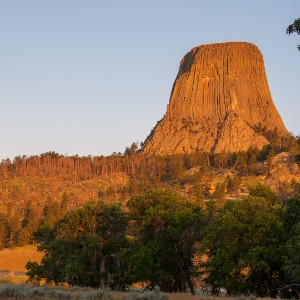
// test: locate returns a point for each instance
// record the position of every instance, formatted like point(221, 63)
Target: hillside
point(15, 259)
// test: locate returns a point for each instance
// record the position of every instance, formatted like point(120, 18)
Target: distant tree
point(110, 191)
point(174, 168)
point(284, 191)
point(3, 231)
point(298, 140)
point(132, 149)
point(30, 224)
point(187, 161)
point(51, 213)
point(251, 164)
point(13, 228)
point(241, 162)
point(220, 191)
point(233, 183)
point(265, 192)
point(64, 204)
point(294, 27)
point(197, 191)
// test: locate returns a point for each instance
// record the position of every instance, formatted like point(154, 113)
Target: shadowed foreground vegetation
point(25, 291)
point(250, 246)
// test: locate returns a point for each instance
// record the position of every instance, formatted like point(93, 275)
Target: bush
point(155, 294)
point(14, 291)
point(25, 291)
point(98, 295)
point(37, 292)
point(243, 297)
point(61, 295)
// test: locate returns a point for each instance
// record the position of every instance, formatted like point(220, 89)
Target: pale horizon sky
point(92, 77)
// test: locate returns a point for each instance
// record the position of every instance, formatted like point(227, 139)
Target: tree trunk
point(190, 284)
point(102, 283)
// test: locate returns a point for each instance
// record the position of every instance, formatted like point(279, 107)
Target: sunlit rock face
point(220, 101)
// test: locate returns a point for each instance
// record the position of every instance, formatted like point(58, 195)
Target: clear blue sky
point(90, 77)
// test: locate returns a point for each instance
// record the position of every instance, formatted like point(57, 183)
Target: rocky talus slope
point(220, 101)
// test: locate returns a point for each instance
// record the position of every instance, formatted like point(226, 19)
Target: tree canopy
point(81, 248)
point(244, 248)
point(167, 228)
point(294, 27)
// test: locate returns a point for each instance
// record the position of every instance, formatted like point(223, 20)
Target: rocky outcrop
point(283, 167)
point(220, 101)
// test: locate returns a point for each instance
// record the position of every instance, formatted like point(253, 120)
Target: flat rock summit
point(220, 101)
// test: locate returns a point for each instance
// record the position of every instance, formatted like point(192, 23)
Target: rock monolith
point(220, 101)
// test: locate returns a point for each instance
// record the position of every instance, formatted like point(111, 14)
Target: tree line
point(76, 168)
point(163, 238)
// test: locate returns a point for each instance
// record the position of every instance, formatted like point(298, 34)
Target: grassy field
point(174, 296)
point(26, 292)
point(15, 259)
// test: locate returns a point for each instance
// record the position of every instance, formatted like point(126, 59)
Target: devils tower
point(220, 101)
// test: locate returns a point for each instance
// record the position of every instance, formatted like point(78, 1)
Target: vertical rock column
point(220, 98)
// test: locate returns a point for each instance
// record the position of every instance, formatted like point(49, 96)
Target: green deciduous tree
point(291, 221)
point(294, 27)
point(292, 261)
point(167, 228)
point(81, 248)
point(265, 192)
point(244, 248)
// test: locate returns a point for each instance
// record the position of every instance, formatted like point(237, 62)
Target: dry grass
point(14, 280)
point(177, 296)
point(183, 296)
point(16, 259)
point(52, 293)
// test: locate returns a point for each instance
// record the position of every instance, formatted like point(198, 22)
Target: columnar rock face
point(220, 102)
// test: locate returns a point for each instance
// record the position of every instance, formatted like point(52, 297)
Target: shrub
point(14, 291)
point(243, 297)
point(62, 295)
point(92, 295)
point(37, 292)
point(25, 291)
point(155, 294)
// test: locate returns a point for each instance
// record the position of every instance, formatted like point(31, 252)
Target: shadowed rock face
point(220, 102)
